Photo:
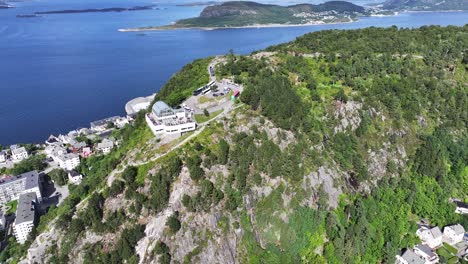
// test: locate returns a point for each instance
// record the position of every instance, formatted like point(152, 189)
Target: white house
point(2, 220)
point(105, 146)
point(3, 156)
point(68, 161)
point(409, 257)
point(18, 153)
point(432, 237)
point(426, 252)
point(74, 177)
point(165, 120)
point(453, 234)
point(121, 122)
point(55, 151)
point(462, 208)
point(25, 216)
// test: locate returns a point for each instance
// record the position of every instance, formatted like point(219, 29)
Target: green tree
point(59, 176)
point(173, 223)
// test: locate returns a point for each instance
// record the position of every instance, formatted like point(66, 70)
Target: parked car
point(215, 95)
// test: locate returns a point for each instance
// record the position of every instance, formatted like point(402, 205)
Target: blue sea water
point(61, 71)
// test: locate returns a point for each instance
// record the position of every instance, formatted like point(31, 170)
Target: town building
point(74, 177)
point(103, 124)
point(25, 216)
point(2, 220)
point(18, 153)
point(453, 234)
point(86, 152)
point(409, 257)
point(105, 146)
point(121, 122)
point(52, 140)
point(54, 151)
point(3, 156)
point(462, 208)
point(165, 120)
point(68, 161)
point(432, 237)
point(426, 252)
point(12, 187)
point(77, 147)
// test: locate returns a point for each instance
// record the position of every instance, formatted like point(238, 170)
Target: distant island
point(200, 3)
point(96, 10)
point(4, 5)
point(251, 14)
point(425, 5)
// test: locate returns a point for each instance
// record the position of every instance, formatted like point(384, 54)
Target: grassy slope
point(236, 14)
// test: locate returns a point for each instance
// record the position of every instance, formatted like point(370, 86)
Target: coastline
point(162, 28)
point(317, 23)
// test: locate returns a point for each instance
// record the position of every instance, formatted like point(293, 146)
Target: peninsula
point(251, 14)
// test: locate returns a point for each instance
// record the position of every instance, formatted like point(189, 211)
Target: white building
point(2, 220)
point(426, 252)
point(462, 208)
point(25, 216)
point(55, 151)
point(409, 257)
point(165, 120)
point(18, 153)
point(105, 146)
point(102, 125)
point(432, 237)
point(121, 122)
point(74, 177)
point(12, 187)
point(453, 234)
point(68, 161)
point(3, 156)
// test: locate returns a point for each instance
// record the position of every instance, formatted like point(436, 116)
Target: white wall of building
point(21, 231)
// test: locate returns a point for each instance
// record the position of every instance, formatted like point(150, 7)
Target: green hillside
point(426, 4)
point(342, 141)
point(244, 13)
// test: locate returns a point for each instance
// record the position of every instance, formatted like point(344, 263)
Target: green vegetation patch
point(201, 118)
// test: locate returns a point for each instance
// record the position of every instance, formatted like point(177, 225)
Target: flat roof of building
point(18, 150)
point(412, 258)
point(104, 121)
point(32, 179)
point(25, 211)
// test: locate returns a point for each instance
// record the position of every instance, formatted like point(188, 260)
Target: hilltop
point(342, 142)
point(426, 5)
point(244, 13)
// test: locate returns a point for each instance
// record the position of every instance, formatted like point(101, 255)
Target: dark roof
point(461, 204)
point(32, 179)
point(427, 250)
point(73, 173)
point(104, 121)
point(25, 211)
point(412, 258)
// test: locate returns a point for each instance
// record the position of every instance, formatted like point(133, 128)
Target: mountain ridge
point(426, 5)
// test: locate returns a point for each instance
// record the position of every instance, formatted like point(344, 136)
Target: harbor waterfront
point(79, 68)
